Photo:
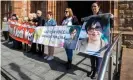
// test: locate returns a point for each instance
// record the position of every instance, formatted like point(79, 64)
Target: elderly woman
point(50, 22)
point(25, 23)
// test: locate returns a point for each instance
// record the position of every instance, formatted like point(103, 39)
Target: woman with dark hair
point(95, 61)
point(69, 19)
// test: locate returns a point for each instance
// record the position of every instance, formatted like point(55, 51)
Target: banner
point(42, 35)
point(95, 35)
point(57, 36)
point(20, 33)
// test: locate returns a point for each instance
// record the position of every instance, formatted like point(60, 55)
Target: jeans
point(69, 53)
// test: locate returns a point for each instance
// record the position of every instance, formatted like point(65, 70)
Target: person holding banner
point(50, 22)
point(32, 22)
point(25, 24)
point(69, 20)
point(16, 44)
point(40, 22)
point(5, 28)
point(95, 61)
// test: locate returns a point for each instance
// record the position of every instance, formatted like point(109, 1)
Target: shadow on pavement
point(16, 68)
point(59, 65)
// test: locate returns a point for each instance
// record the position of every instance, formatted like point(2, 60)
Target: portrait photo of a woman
point(71, 40)
point(93, 43)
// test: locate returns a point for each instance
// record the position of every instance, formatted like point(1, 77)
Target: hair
point(97, 3)
point(15, 16)
point(72, 29)
point(34, 15)
point(90, 23)
point(70, 12)
point(50, 13)
point(25, 18)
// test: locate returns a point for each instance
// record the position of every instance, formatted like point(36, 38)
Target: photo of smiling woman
point(93, 45)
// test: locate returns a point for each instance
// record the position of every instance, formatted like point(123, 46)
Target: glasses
point(66, 11)
point(96, 29)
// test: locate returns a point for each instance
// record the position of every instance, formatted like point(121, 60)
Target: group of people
point(69, 19)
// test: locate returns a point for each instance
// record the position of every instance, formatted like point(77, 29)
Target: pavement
point(127, 63)
point(27, 66)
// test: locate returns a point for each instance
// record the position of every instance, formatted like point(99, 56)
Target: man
point(40, 22)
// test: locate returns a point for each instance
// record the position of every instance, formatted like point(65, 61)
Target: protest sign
point(20, 33)
point(57, 36)
point(95, 35)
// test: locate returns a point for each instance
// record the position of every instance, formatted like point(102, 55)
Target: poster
point(72, 36)
point(95, 35)
point(42, 35)
point(20, 33)
point(57, 36)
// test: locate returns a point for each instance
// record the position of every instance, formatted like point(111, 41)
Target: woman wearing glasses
point(69, 19)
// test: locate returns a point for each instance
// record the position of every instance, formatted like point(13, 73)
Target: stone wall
point(125, 11)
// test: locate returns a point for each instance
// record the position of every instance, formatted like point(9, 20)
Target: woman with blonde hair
point(69, 19)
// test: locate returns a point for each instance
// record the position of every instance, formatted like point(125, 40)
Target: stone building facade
point(23, 8)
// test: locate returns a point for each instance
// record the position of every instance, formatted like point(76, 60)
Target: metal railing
point(108, 58)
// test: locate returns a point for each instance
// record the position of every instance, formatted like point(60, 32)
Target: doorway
point(80, 8)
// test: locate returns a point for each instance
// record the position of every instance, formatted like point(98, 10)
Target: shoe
point(89, 73)
point(10, 42)
point(45, 57)
point(50, 58)
point(69, 65)
point(94, 75)
point(29, 51)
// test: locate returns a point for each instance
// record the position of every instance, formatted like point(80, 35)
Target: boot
point(69, 65)
point(93, 76)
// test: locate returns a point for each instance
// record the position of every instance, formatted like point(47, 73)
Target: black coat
point(40, 21)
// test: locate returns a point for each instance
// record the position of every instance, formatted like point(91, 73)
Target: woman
point(32, 23)
point(25, 24)
point(69, 19)
point(95, 61)
point(5, 28)
point(48, 23)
